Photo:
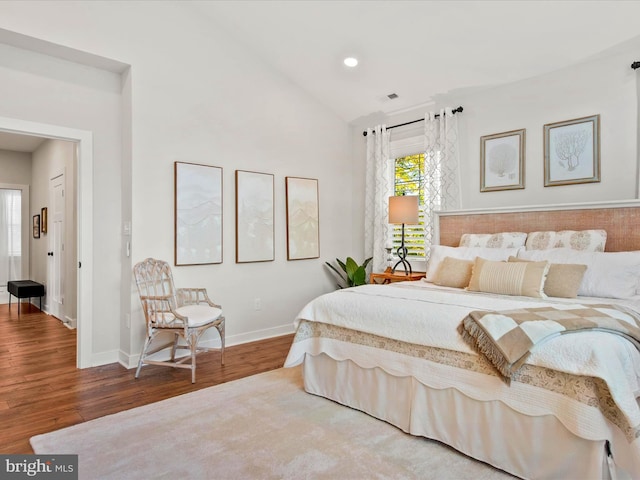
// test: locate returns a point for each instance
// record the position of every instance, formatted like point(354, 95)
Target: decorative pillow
point(493, 240)
point(509, 278)
point(584, 240)
point(563, 279)
point(453, 272)
point(608, 274)
point(438, 252)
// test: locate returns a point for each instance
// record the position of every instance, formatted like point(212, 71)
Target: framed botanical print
point(198, 214)
point(502, 161)
point(572, 151)
point(254, 217)
point(303, 229)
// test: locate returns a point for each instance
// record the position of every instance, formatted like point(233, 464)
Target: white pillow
point(609, 274)
point(439, 252)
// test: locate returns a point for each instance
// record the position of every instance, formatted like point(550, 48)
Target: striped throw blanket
point(507, 337)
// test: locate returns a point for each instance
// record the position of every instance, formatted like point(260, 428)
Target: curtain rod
point(455, 110)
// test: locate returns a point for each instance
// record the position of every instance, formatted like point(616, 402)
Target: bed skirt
point(533, 447)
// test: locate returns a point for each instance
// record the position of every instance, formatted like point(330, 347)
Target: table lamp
point(402, 210)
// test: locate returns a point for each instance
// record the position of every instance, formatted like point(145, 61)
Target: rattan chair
point(187, 312)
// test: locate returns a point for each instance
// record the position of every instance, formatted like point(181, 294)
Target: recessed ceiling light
point(351, 62)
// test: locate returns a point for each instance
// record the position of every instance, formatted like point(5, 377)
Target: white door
point(55, 232)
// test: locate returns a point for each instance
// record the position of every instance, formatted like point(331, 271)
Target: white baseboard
point(131, 361)
point(104, 358)
point(70, 323)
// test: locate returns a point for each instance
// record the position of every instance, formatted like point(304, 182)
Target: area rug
point(260, 427)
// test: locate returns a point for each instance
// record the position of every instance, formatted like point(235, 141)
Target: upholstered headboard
point(621, 221)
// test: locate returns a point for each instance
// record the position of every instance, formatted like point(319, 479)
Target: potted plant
point(353, 275)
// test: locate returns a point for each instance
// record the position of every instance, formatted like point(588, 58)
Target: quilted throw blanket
point(507, 337)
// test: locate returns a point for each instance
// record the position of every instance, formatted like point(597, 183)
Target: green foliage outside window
point(409, 180)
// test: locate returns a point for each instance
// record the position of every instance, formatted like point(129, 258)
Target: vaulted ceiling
point(419, 50)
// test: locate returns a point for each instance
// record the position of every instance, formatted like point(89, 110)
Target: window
point(10, 228)
point(409, 179)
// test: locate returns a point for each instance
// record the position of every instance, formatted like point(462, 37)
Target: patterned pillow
point(583, 240)
point(493, 240)
point(509, 278)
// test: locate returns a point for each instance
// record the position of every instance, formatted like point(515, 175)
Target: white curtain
point(442, 168)
point(10, 236)
point(378, 189)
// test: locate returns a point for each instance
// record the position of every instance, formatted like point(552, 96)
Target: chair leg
point(147, 342)
point(220, 329)
point(175, 347)
point(193, 340)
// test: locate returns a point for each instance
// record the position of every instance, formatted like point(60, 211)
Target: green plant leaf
point(340, 275)
point(352, 266)
point(342, 265)
point(359, 276)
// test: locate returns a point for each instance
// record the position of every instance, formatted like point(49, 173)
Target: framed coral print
point(572, 151)
point(502, 161)
point(198, 214)
point(254, 217)
point(303, 229)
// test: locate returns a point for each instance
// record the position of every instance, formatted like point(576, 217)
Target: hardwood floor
point(42, 390)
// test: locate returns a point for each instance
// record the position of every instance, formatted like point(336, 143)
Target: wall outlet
point(257, 304)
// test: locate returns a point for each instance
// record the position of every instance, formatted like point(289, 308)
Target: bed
point(570, 410)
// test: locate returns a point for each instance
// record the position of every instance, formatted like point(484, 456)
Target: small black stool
point(25, 289)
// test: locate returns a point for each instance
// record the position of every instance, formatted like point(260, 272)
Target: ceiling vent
point(392, 96)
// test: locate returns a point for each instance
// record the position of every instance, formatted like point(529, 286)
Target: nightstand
point(398, 276)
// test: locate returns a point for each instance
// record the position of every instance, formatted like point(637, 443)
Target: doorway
point(55, 248)
point(84, 206)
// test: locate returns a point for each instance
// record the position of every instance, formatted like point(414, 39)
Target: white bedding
point(424, 314)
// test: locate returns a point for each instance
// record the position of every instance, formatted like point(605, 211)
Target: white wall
point(196, 96)
point(15, 167)
point(604, 85)
point(52, 157)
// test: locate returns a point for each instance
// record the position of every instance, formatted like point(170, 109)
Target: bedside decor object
point(572, 151)
point(254, 217)
point(198, 214)
point(403, 210)
point(303, 229)
point(502, 161)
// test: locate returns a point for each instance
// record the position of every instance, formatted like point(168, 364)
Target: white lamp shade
point(404, 209)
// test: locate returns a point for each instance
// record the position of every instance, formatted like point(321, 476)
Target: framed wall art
point(254, 217)
point(43, 220)
point(502, 161)
point(36, 226)
point(572, 151)
point(198, 214)
point(303, 228)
